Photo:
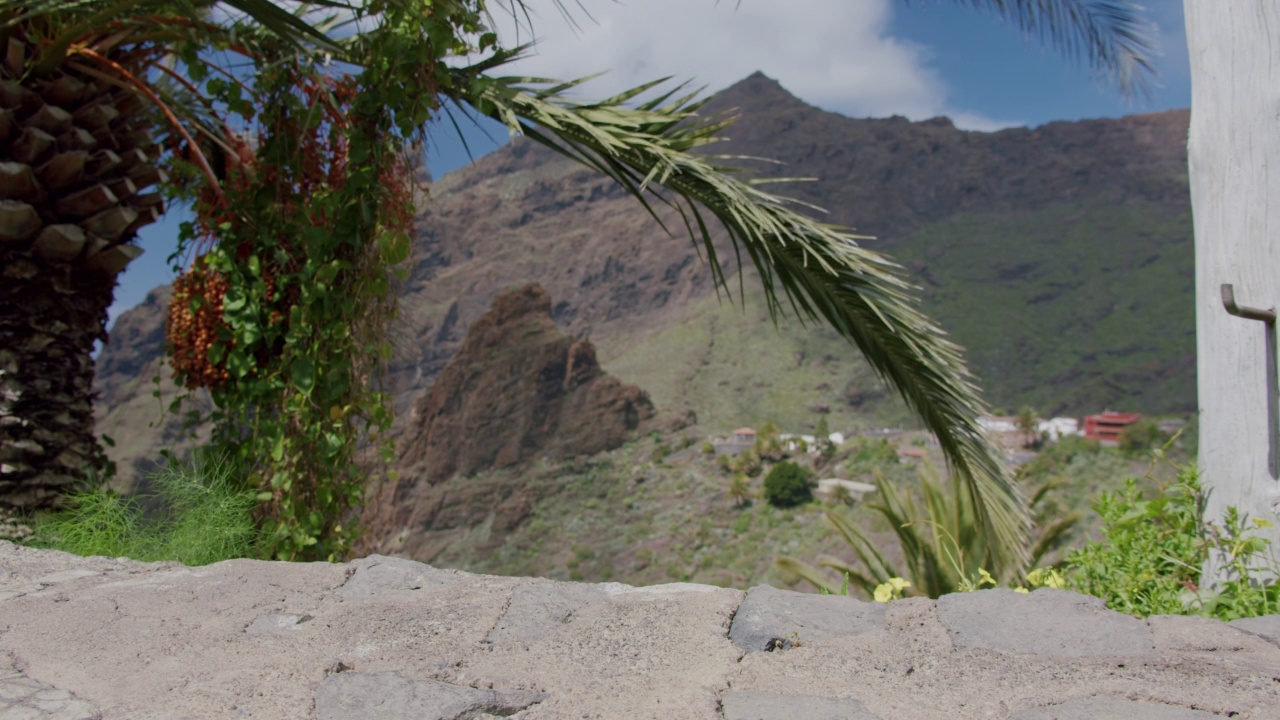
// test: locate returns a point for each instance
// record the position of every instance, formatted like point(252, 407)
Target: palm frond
point(73, 16)
point(1111, 34)
point(816, 269)
point(792, 568)
point(866, 551)
point(1052, 536)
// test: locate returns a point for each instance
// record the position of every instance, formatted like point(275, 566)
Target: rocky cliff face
point(519, 389)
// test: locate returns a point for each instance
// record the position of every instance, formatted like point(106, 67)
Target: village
point(1019, 435)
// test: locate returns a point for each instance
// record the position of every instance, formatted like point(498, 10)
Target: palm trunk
point(75, 152)
point(50, 316)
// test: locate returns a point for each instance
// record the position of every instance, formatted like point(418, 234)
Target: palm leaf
point(800, 570)
point(1111, 34)
point(816, 269)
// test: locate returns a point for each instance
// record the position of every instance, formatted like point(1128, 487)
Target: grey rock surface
point(1110, 708)
point(1044, 622)
point(747, 705)
point(384, 638)
point(772, 619)
point(538, 611)
point(21, 698)
point(276, 622)
point(384, 577)
point(392, 696)
point(1267, 628)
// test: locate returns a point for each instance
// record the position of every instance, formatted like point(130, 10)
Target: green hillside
point(1069, 308)
point(734, 367)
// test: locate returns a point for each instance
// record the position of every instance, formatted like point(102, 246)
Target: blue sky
point(861, 58)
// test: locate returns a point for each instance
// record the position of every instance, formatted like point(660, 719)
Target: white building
point(1058, 428)
point(856, 489)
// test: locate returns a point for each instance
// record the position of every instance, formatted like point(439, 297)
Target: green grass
point(197, 516)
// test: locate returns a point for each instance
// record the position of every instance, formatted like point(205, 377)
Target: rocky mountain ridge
point(518, 390)
point(1060, 256)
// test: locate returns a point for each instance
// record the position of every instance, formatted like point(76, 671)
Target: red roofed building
point(1108, 426)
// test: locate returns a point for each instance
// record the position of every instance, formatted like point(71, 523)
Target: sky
point(859, 58)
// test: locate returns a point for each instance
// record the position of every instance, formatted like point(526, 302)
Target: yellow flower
point(1021, 590)
point(890, 590)
point(986, 578)
point(1046, 577)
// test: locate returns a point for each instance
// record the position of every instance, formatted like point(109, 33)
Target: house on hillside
point(998, 423)
point(744, 435)
point(1107, 426)
point(856, 489)
point(1058, 427)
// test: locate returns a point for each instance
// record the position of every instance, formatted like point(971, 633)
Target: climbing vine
point(283, 314)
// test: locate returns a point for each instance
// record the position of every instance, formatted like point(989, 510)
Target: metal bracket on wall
point(1273, 385)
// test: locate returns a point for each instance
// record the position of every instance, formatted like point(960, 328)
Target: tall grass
point(204, 516)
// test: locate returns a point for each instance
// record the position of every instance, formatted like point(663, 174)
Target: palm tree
point(78, 120)
point(1027, 422)
point(739, 489)
point(85, 87)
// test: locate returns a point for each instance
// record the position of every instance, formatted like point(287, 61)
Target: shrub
point(740, 490)
point(708, 448)
point(787, 485)
point(870, 454)
point(206, 516)
point(1140, 437)
point(1151, 550)
point(748, 463)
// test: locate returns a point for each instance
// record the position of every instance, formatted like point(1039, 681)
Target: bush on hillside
point(1140, 436)
point(787, 485)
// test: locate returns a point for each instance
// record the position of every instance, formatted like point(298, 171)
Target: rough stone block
point(770, 619)
point(386, 577)
point(67, 575)
point(1266, 627)
point(392, 696)
point(1188, 633)
point(22, 697)
point(749, 705)
point(539, 610)
point(275, 622)
point(1055, 623)
point(1110, 708)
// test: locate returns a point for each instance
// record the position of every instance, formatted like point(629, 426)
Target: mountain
point(518, 389)
point(1060, 256)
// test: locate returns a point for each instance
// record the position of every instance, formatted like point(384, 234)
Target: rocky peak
point(518, 389)
point(757, 91)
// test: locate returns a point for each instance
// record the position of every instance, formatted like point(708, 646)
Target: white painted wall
point(1234, 154)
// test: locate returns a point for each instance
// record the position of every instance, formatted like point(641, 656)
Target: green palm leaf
point(816, 269)
point(1110, 33)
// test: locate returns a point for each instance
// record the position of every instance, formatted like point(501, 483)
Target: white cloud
point(835, 54)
